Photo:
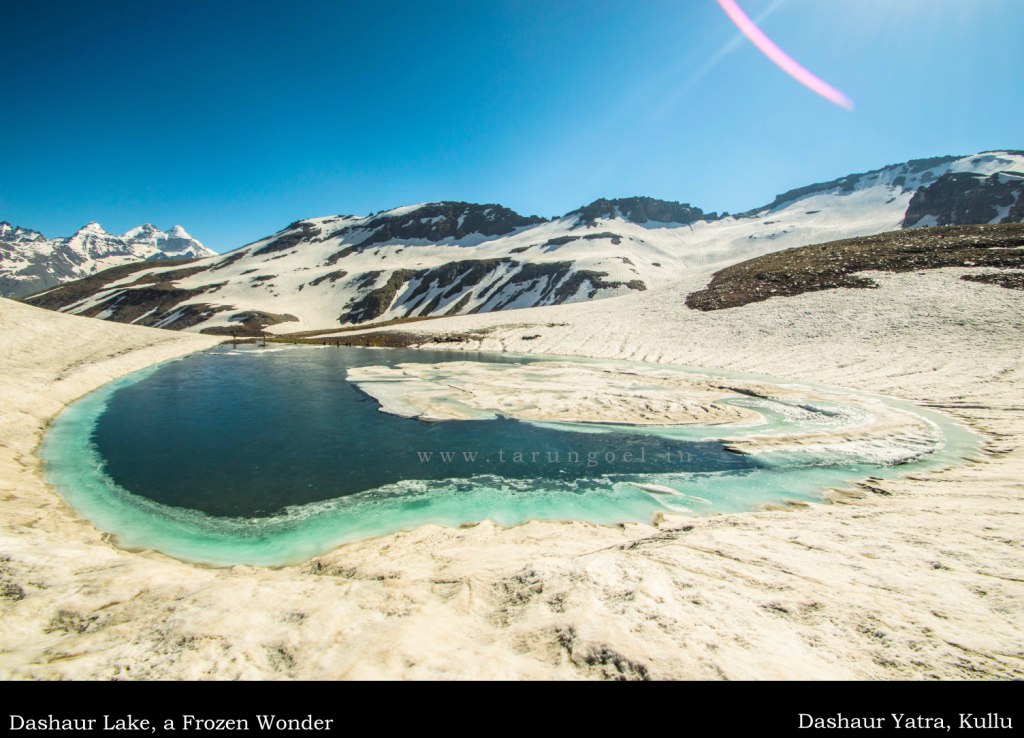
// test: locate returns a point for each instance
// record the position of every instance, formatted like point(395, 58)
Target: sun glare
point(781, 59)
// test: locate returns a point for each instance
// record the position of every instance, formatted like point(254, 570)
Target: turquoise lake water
point(269, 457)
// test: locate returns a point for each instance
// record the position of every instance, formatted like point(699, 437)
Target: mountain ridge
point(449, 258)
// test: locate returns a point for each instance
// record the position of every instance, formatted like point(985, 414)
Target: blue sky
point(236, 118)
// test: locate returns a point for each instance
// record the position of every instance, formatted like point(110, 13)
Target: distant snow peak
point(175, 239)
point(90, 228)
point(139, 232)
point(30, 262)
point(10, 233)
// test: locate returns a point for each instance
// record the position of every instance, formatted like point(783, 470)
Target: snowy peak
point(141, 233)
point(92, 242)
point(175, 243)
point(15, 234)
point(178, 232)
point(907, 177)
point(90, 229)
point(30, 262)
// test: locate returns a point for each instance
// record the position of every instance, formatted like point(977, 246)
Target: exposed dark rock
point(11, 591)
point(454, 275)
point(152, 305)
point(440, 221)
point(836, 264)
point(550, 282)
point(78, 290)
point(613, 237)
point(377, 302)
point(339, 255)
point(458, 307)
point(171, 275)
point(331, 277)
point(916, 166)
point(1008, 280)
point(641, 210)
point(367, 279)
point(563, 240)
point(558, 283)
point(290, 237)
point(965, 199)
point(148, 301)
point(444, 220)
point(70, 621)
point(185, 316)
point(249, 323)
point(606, 662)
point(530, 276)
point(228, 260)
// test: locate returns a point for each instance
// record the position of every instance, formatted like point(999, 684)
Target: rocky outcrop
point(641, 210)
point(493, 284)
point(79, 290)
point(966, 198)
point(836, 264)
point(289, 238)
point(436, 222)
point(448, 220)
point(377, 301)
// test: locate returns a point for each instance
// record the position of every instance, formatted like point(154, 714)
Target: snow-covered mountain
point(451, 258)
point(30, 262)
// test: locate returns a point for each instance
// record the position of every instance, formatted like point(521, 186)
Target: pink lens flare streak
point(780, 58)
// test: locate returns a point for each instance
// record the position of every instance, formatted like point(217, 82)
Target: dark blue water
point(252, 432)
